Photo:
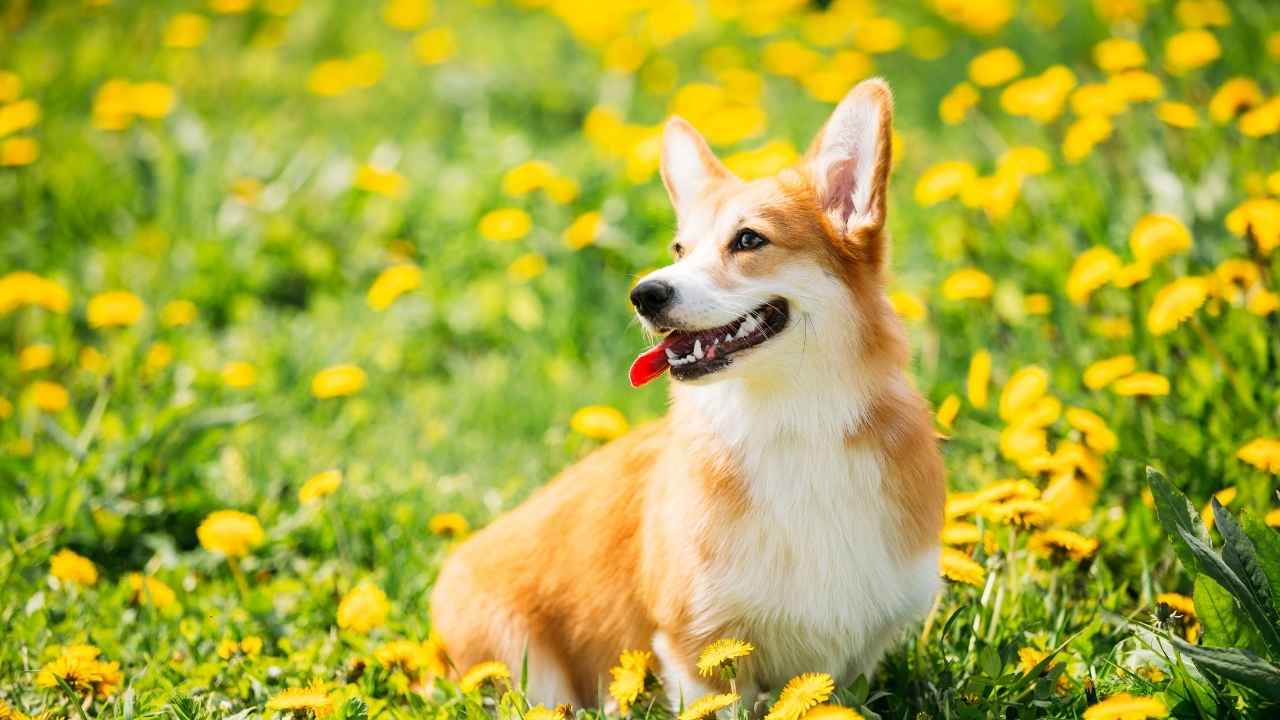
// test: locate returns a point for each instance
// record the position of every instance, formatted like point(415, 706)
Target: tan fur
point(605, 555)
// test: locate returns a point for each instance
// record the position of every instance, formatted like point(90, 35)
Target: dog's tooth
point(671, 355)
point(728, 337)
point(697, 349)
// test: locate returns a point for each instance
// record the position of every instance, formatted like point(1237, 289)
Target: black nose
point(651, 296)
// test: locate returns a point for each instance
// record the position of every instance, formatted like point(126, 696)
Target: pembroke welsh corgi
point(793, 495)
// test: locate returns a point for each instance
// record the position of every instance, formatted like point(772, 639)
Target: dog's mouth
point(692, 354)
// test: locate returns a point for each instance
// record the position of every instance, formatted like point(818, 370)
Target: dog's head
point(769, 271)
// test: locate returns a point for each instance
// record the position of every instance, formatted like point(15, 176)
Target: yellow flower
point(68, 566)
point(1103, 372)
point(505, 224)
point(1103, 99)
point(19, 116)
point(948, 410)
point(1189, 50)
point(583, 230)
point(251, 645)
point(412, 658)
point(10, 86)
point(239, 374)
point(979, 377)
point(1083, 135)
point(789, 58)
point(956, 104)
point(92, 361)
point(1062, 543)
point(186, 30)
point(1224, 498)
point(629, 677)
point(1157, 236)
point(337, 381)
point(1259, 219)
point(967, 284)
point(1023, 443)
point(152, 100)
point(527, 267)
point(150, 591)
point(601, 422)
point(314, 698)
point(720, 653)
point(19, 151)
point(320, 486)
point(1272, 518)
point(1176, 303)
point(1202, 13)
point(908, 306)
point(1142, 384)
point(24, 288)
point(1235, 277)
point(1262, 302)
point(450, 524)
point(960, 533)
point(1024, 388)
point(79, 667)
point(1091, 270)
point(1041, 97)
point(1023, 160)
point(392, 283)
point(801, 693)
point(1177, 114)
point(230, 7)
point(995, 67)
point(49, 396)
point(435, 46)
point(158, 357)
point(1097, 435)
point(707, 705)
point(1262, 453)
point(763, 161)
point(943, 181)
point(956, 566)
point(527, 177)
point(1116, 54)
point(363, 608)
point(1136, 86)
point(1018, 513)
point(380, 181)
point(1263, 120)
point(230, 532)
point(35, 357)
point(1233, 98)
point(1132, 274)
point(9, 713)
point(177, 313)
point(407, 14)
point(1127, 707)
point(114, 309)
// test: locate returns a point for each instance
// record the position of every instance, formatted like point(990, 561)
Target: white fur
point(853, 133)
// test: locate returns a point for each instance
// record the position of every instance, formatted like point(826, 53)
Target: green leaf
point(1222, 618)
point(356, 709)
point(1267, 542)
point(1237, 665)
point(1241, 556)
point(1215, 567)
point(1177, 516)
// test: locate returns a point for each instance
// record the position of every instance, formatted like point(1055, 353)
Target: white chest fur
point(812, 573)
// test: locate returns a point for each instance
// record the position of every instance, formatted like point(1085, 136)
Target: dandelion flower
point(392, 283)
point(435, 46)
point(600, 422)
point(313, 699)
point(960, 533)
point(962, 504)
point(35, 357)
point(583, 231)
point(1025, 387)
point(71, 567)
point(147, 590)
point(1272, 518)
point(505, 224)
point(407, 14)
point(908, 306)
point(1018, 513)
point(978, 379)
point(363, 608)
point(1157, 236)
point(800, 694)
point(763, 161)
point(186, 31)
point(337, 381)
point(1091, 270)
point(1177, 114)
point(1102, 373)
point(8, 712)
point(720, 653)
point(707, 705)
point(115, 308)
point(239, 374)
point(1141, 384)
point(1127, 707)
point(542, 712)
point(1224, 497)
point(1116, 54)
point(320, 486)
point(1097, 435)
point(49, 396)
point(1176, 303)
point(1258, 218)
point(1085, 134)
point(177, 313)
point(1132, 274)
point(1234, 97)
point(1058, 543)
point(79, 667)
point(947, 411)
point(831, 712)
point(956, 566)
point(995, 67)
point(450, 524)
point(943, 181)
point(1189, 50)
point(1262, 453)
point(956, 104)
point(629, 678)
point(967, 284)
point(230, 532)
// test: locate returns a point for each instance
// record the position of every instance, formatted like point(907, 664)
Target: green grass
point(473, 377)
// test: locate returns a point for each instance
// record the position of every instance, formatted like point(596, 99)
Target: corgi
point(793, 495)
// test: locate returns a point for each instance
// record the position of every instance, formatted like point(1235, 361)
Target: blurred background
point(249, 242)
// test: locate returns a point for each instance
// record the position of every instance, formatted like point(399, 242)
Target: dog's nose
point(651, 296)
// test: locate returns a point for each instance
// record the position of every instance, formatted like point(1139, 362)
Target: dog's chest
point(810, 573)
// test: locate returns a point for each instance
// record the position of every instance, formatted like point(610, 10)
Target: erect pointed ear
point(850, 158)
point(689, 167)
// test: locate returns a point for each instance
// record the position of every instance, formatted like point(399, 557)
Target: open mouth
point(691, 354)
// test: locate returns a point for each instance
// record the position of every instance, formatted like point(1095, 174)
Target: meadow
point(295, 294)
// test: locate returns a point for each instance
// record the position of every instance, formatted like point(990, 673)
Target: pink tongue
point(650, 364)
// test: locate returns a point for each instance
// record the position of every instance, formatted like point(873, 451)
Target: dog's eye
point(747, 239)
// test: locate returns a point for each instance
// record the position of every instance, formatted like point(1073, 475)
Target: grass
point(244, 194)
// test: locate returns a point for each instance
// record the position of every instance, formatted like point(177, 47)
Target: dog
point(793, 495)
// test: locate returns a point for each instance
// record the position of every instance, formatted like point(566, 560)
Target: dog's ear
point(850, 159)
point(689, 167)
